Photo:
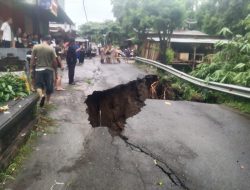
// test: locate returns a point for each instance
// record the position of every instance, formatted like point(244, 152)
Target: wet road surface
point(168, 145)
point(207, 146)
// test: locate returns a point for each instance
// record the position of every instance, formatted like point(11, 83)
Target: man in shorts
point(43, 59)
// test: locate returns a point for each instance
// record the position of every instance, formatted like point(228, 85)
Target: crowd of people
point(46, 65)
point(16, 39)
point(110, 54)
point(45, 60)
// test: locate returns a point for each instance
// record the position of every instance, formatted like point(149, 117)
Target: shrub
point(12, 86)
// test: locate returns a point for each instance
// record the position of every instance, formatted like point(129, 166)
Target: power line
point(85, 10)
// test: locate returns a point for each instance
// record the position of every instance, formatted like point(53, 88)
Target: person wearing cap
point(43, 59)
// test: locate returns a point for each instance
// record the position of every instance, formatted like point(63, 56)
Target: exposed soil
point(112, 107)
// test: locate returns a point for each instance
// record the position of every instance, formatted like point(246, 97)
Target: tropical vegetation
point(108, 32)
point(12, 86)
point(232, 63)
point(228, 18)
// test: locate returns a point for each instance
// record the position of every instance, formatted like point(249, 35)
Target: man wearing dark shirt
point(71, 61)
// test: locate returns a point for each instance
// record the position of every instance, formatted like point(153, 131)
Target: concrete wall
point(15, 127)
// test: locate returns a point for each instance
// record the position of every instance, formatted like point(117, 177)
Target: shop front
point(32, 16)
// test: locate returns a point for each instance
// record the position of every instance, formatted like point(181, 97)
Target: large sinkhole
point(112, 107)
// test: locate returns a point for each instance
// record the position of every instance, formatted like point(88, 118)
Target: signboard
point(45, 4)
point(31, 2)
point(51, 5)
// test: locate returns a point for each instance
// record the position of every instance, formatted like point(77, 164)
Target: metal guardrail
point(226, 88)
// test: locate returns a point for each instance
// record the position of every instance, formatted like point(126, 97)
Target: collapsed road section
point(112, 107)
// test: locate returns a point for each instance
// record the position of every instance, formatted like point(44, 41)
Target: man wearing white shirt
point(5, 32)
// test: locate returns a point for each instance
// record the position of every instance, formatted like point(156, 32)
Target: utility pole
point(85, 10)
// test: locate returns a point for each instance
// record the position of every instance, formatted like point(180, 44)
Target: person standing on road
point(108, 54)
point(43, 59)
point(81, 54)
point(5, 33)
point(71, 59)
point(60, 70)
point(89, 50)
point(102, 54)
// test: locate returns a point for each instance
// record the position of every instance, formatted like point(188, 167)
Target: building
point(62, 31)
point(33, 16)
point(189, 46)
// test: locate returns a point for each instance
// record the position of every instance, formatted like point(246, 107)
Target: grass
point(241, 105)
point(191, 92)
point(45, 125)
point(16, 164)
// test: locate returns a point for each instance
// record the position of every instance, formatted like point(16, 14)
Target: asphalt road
point(207, 146)
point(168, 145)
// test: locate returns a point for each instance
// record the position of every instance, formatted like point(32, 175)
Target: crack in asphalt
point(168, 171)
point(116, 157)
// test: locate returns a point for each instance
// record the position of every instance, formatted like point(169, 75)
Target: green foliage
point(240, 104)
point(16, 164)
point(187, 91)
point(44, 125)
point(12, 86)
point(231, 64)
point(213, 15)
point(191, 93)
point(169, 55)
point(225, 32)
point(144, 16)
point(108, 32)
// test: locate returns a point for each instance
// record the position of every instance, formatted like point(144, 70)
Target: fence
point(225, 88)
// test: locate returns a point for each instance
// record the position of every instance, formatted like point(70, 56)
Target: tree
point(105, 32)
point(133, 19)
point(143, 16)
point(213, 15)
point(166, 16)
point(231, 63)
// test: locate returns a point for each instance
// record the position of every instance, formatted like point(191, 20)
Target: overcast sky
point(97, 10)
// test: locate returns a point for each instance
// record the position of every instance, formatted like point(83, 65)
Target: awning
point(63, 17)
point(31, 9)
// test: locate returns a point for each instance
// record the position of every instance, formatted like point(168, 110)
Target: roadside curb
point(15, 127)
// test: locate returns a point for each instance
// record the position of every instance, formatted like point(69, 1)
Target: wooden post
point(195, 48)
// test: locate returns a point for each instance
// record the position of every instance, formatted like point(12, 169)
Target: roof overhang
point(63, 17)
point(60, 17)
point(192, 40)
